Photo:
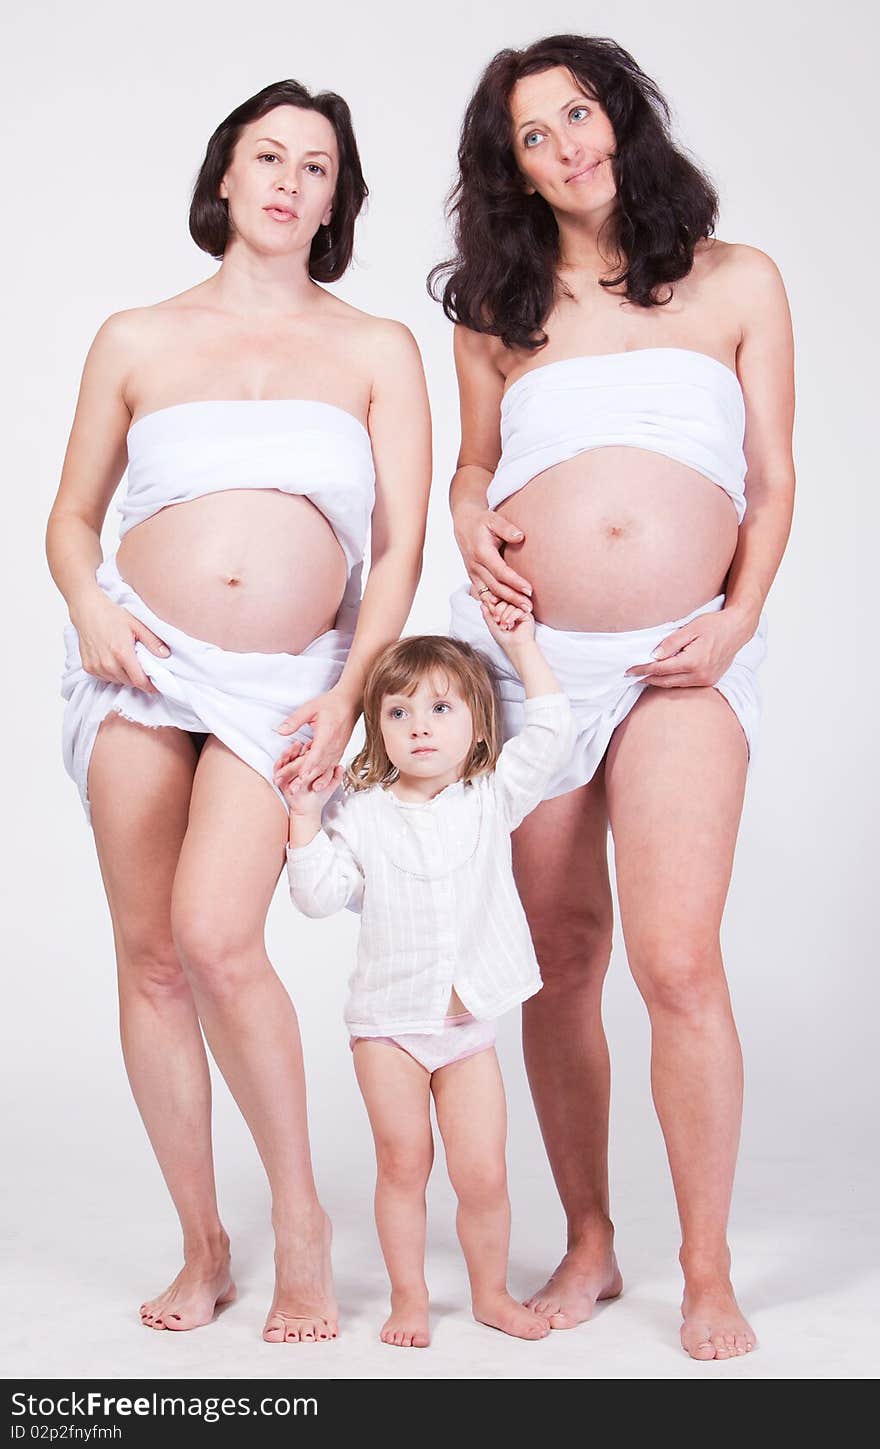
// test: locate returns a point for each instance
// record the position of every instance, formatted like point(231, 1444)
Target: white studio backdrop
point(107, 113)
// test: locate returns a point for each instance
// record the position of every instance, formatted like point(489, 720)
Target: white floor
point(91, 1234)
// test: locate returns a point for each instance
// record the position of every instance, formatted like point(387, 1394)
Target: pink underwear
point(462, 1036)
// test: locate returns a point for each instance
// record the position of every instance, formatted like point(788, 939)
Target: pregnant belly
point(619, 539)
point(248, 569)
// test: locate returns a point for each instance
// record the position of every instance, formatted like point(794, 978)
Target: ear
point(223, 193)
point(325, 219)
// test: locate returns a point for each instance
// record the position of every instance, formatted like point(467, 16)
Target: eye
point(443, 706)
point(531, 139)
point(315, 166)
point(268, 156)
point(578, 113)
point(396, 712)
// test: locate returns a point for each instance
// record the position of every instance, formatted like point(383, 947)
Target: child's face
point(428, 733)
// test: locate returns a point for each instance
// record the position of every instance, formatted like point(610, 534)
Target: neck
point(585, 249)
point(256, 285)
point(413, 790)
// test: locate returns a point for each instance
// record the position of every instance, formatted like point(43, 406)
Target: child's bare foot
point(499, 1310)
point(304, 1307)
point(587, 1274)
point(713, 1325)
point(407, 1325)
point(200, 1288)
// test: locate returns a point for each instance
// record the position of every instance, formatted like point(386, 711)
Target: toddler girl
point(420, 844)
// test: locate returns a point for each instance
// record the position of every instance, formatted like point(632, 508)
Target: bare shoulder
point(392, 341)
point(379, 341)
point(137, 327)
point(737, 265)
point(480, 352)
point(123, 330)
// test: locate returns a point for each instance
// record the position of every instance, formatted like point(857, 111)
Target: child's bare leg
point(396, 1090)
point(472, 1116)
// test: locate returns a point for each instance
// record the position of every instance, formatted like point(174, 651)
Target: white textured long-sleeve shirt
point(434, 884)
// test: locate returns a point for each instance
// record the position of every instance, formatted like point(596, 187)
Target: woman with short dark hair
point(626, 471)
point(270, 432)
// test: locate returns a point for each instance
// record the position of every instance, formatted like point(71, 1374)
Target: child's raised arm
point(530, 759)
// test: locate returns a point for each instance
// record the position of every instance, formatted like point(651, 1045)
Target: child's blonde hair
point(398, 670)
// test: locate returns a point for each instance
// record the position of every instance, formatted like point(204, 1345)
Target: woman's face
point(281, 180)
point(563, 142)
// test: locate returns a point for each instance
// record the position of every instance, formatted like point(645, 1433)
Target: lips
point(582, 175)
point(424, 750)
point(281, 213)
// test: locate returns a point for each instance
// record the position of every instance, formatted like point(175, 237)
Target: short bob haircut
point(332, 245)
point(398, 670)
point(503, 279)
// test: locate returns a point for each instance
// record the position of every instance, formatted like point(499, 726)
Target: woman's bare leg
point(561, 867)
point(472, 1117)
point(397, 1093)
point(675, 776)
point(229, 865)
point(139, 787)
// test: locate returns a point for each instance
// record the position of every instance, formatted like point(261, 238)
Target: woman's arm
point(480, 532)
point(400, 430)
point(765, 366)
point(702, 651)
point(93, 465)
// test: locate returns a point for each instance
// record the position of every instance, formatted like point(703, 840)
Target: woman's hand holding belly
point(620, 538)
point(247, 569)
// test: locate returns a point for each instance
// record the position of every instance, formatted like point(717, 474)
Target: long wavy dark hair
point(503, 278)
point(332, 245)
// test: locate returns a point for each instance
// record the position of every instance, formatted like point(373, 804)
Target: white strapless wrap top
point(686, 405)
point(316, 449)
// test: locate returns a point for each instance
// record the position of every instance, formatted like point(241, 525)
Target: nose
point(286, 184)
point(420, 727)
point(569, 149)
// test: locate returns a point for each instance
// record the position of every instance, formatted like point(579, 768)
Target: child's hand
point(508, 624)
point(304, 800)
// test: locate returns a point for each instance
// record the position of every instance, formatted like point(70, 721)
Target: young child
point(420, 845)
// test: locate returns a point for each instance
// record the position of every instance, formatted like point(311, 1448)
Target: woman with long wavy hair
point(269, 430)
point(625, 470)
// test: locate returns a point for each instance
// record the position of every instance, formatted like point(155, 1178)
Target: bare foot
point(304, 1308)
point(192, 1299)
point(713, 1326)
point(407, 1324)
point(584, 1278)
point(499, 1310)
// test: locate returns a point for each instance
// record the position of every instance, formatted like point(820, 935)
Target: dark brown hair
point(503, 279)
point(398, 670)
point(332, 245)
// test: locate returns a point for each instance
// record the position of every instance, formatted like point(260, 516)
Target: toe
point(560, 1319)
point(704, 1350)
point(741, 1343)
point(274, 1330)
point(420, 1339)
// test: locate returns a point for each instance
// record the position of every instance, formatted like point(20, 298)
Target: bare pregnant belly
point(248, 569)
point(620, 538)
